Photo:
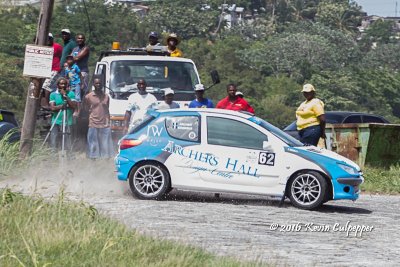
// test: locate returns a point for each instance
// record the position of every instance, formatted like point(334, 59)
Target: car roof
point(345, 114)
point(242, 114)
point(144, 58)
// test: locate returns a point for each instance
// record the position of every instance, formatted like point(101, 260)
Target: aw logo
point(154, 134)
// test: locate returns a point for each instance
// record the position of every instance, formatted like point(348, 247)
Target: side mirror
point(267, 146)
point(215, 77)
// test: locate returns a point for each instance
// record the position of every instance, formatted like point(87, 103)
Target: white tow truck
point(121, 70)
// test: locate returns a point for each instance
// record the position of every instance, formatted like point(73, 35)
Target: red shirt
point(238, 104)
point(56, 57)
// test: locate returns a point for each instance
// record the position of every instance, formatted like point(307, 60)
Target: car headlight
point(348, 169)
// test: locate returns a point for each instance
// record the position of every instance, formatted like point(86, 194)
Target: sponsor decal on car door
point(246, 154)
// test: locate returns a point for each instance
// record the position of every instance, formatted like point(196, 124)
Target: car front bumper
point(347, 187)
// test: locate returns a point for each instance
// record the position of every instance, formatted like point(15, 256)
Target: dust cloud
point(78, 177)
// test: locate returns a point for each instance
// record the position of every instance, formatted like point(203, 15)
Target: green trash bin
point(366, 143)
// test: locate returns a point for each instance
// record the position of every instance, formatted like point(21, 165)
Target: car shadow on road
point(326, 208)
point(232, 199)
point(254, 200)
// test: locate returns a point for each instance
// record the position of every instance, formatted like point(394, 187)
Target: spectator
point(239, 94)
point(168, 100)
point(233, 102)
point(99, 140)
point(60, 99)
point(153, 39)
point(172, 42)
point(122, 77)
point(55, 68)
point(138, 104)
point(310, 117)
point(200, 101)
point(69, 45)
point(81, 58)
point(73, 73)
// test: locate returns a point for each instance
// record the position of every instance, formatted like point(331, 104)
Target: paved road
point(238, 226)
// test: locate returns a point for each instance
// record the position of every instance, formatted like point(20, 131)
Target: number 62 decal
point(266, 158)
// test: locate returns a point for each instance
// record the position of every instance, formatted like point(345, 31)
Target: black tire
point(307, 190)
point(149, 181)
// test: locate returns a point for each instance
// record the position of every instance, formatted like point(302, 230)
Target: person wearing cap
point(69, 45)
point(200, 101)
point(240, 94)
point(61, 98)
point(153, 39)
point(138, 104)
point(310, 117)
point(169, 102)
point(81, 58)
point(55, 68)
point(233, 102)
point(172, 42)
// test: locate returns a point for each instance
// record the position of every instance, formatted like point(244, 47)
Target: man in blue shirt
point(200, 101)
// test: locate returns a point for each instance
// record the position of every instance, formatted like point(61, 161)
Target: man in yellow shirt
point(310, 117)
point(172, 42)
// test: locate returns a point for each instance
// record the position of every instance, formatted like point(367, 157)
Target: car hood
point(330, 154)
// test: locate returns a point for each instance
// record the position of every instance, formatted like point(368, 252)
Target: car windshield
point(180, 76)
point(291, 141)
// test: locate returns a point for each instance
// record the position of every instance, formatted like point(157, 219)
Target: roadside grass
point(38, 232)
point(380, 180)
point(9, 156)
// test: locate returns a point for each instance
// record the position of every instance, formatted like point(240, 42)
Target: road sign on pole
point(32, 100)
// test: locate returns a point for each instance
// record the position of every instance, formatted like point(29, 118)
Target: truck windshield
point(180, 76)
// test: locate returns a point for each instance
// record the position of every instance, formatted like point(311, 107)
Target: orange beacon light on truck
point(116, 46)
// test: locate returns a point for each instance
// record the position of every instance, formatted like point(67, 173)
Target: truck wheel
point(307, 190)
point(149, 181)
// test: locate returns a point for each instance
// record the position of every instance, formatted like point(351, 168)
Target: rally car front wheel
point(307, 190)
point(149, 181)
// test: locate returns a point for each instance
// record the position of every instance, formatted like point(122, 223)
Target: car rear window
point(372, 119)
point(353, 119)
point(8, 117)
point(184, 127)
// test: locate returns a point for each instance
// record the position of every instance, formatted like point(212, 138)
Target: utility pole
point(32, 100)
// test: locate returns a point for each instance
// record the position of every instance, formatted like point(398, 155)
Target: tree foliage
point(380, 31)
point(187, 22)
point(286, 44)
point(343, 15)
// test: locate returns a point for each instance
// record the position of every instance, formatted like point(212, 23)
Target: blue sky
point(385, 8)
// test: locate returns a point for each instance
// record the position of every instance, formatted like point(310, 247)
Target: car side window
point(184, 128)
point(227, 132)
point(353, 119)
point(369, 119)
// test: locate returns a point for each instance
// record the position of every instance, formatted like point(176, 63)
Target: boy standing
point(73, 74)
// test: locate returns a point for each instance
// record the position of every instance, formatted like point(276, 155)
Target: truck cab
point(121, 70)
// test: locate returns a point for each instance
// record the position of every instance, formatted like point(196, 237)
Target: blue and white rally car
point(219, 150)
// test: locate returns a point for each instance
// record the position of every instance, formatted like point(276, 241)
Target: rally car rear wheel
point(307, 190)
point(149, 181)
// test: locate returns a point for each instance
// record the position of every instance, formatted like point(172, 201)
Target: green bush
point(379, 180)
